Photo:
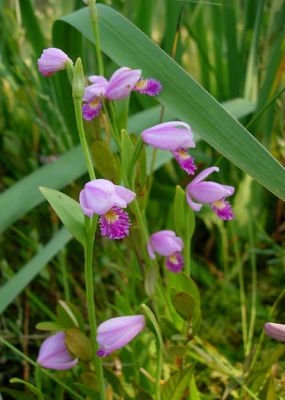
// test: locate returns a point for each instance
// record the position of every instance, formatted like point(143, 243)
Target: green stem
point(44, 371)
point(38, 379)
point(79, 121)
point(265, 107)
point(254, 289)
point(159, 347)
point(95, 26)
point(141, 222)
point(241, 287)
point(114, 132)
point(62, 262)
point(90, 233)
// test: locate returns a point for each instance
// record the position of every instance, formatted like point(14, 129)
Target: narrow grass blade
point(27, 273)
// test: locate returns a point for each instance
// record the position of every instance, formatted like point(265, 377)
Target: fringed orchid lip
point(185, 161)
point(151, 87)
point(115, 223)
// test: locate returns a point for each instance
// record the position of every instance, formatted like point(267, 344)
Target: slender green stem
point(62, 262)
point(141, 222)
point(265, 107)
point(114, 132)
point(44, 371)
point(83, 141)
point(159, 349)
point(38, 379)
point(95, 26)
point(254, 288)
point(241, 287)
point(90, 233)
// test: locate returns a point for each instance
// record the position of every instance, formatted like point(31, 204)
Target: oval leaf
point(69, 212)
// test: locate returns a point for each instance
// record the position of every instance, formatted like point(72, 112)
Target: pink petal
point(195, 206)
point(200, 177)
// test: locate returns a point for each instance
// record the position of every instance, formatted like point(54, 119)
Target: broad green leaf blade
point(27, 273)
point(127, 45)
point(176, 385)
point(22, 197)
point(68, 210)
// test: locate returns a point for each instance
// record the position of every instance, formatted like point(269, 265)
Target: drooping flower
point(175, 136)
point(210, 193)
point(120, 85)
point(117, 332)
point(167, 244)
point(276, 331)
point(52, 60)
point(53, 353)
point(151, 87)
point(102, 197)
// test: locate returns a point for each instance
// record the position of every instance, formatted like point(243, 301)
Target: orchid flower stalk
point(90, 226)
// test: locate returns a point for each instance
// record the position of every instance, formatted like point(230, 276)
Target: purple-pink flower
point(120, 85)
point(53, 353)
point(103, 198)
point(175, 136)
point(167, 244)
point(117, 332)
point(52, 60)
point(210, 193)
point(276, 331)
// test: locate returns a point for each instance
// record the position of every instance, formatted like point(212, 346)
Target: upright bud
point(78, 81)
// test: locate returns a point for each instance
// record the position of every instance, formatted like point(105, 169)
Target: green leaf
point(79, 344)
point(176, 385)
point(32, 27)
point(127, 149)
point(194, 393)
point(10, 290)
point(106, 162)
point(127, 45)
point(185, 304)
point(49, 326)
point(68, 315)
point(150, 280)
point(183, 283)
point(22, 197)
point(31, 387)
point(179, 211)
point(68, 210)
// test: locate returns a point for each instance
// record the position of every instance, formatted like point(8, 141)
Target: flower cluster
point(120, 85)
point(107, 200)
